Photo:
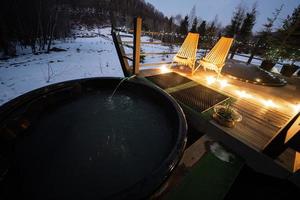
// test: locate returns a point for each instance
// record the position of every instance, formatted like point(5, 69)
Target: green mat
point(209, 179)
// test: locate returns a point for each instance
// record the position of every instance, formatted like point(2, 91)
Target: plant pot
point(288, 70)
point(267, 65)
point(231, 122)
point(222, 121)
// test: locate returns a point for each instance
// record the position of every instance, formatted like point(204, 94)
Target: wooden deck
point(258, 126)
point(260, 123)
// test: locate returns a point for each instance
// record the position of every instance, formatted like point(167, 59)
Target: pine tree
point(183, 29)
point(202, 28)
point(170, 24)
point(236, 21)
point(194, 26)
point(247, 26)
point(289, 36)
point(211, 32)
point(265, 36)
point(245, 32)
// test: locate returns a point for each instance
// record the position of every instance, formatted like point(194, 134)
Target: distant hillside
point(97, 11)
point(36, 23)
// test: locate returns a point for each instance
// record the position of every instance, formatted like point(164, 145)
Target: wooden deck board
point(261, 110)
point(261, 119)
point(259, 123)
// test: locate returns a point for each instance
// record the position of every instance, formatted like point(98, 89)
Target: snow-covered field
point(91, 54)
point(85, 57)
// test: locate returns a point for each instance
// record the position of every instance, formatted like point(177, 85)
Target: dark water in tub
point(93, 146)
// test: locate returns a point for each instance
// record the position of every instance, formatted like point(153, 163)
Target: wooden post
point(137, 44)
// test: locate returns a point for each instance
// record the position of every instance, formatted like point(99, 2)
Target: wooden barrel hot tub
point(72, 140)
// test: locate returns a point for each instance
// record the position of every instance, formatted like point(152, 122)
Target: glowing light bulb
point(223, 83)
point(297, 108)
point(269, 103)
point(164, 69)
point(258, 80)
point(243, 94)
point(210, 80)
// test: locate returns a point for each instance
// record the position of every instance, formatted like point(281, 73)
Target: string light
point(210, 80)
point(258, 80)
point(269, 103)
point(297, 108)
point(164, 69)
point(243, 94)
point(223, 83)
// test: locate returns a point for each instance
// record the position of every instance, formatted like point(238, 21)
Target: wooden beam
point(161, 43)
point(130, 42)
point(154, 53)
point(287, 136)
point(293, 131)
point(137, 44)
point(296, 165)
point(156, 33)
point(154, 64)
point(128, 58)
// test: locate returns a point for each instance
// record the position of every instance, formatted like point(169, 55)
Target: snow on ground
point(88, 56)
point(153, 48)
point(91, 54)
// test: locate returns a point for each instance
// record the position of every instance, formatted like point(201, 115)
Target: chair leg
point(195, 69)
point(219, 73)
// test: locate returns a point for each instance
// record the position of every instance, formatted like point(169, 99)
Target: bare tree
point(52, 25)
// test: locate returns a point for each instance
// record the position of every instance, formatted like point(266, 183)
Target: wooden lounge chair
point(215, 59)
point(188, 51)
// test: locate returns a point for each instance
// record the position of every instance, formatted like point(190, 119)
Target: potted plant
point(289, 69)
point(226, 115)
point(292, 55)
point(271, 57)
point(289, 42)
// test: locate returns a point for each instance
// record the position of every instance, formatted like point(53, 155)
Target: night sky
point(208, 9)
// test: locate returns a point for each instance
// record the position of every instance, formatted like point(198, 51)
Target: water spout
point(120, 83)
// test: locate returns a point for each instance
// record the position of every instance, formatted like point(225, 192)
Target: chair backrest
point(121, 53)
point(189, 47)
point(219, 52)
